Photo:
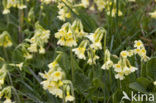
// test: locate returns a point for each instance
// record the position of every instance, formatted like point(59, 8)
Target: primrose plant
point(85, 45)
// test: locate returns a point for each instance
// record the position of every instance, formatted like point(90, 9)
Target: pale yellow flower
point(66, 36)
point(153, 14)
point(100, 4)
point(5, 39)
point(80, 51)
point(113, 12)
point(53, 64)
point(6, 11)
point(132, 0)
point(57, 75)
point(57, 92)
point(92, 57)
point(117, 68)
point(96, 38)
point(126, 70)
point(120, 76)
point(133, 69)
point(85, 3)
point(42, 50)
point(69, 98)
point(124, 54)
point(108, 64)
point(130, 53)
point(33, 48)
point(8, 100)
point(77, 27)
point(138, 44)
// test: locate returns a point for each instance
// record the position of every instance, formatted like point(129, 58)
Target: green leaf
point(151, 68)
point(81, 82)
point(138, 87)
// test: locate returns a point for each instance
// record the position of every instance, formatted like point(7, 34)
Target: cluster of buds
point(55, 81)
point(68, 34)
point(7, 4)
point(123, 67)
point(39, 39)
point(5, 39)
point(6, 93)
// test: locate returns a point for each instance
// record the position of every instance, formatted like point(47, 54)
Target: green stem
point(105, 41)
point(20, 36)
point(72, 90)
point(8, 20)
point(141, 71)
point(63, 99)
point(5, 54)
point(71, 61)
point(11, 82)
point(117, 9)
point(110, 77)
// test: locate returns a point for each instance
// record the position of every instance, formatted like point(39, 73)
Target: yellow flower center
point(118, 66)
point(57, 74)
point(138, 43)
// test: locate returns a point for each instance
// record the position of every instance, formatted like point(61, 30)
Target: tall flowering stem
point(141, 71)
point(72, 68)
point(21, 14)
point(105, 41)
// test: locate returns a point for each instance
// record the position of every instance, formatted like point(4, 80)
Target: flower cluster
point(7, 4)
point(91, 46)
point(65, 5)
point(55, 81)
point(6, 92)
point(66, 36)
point(108, 5)
point(69, 35)
point(140, 50)
point(64, 11)
point(39, 39)
point(5, 39)
point(123, 67)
